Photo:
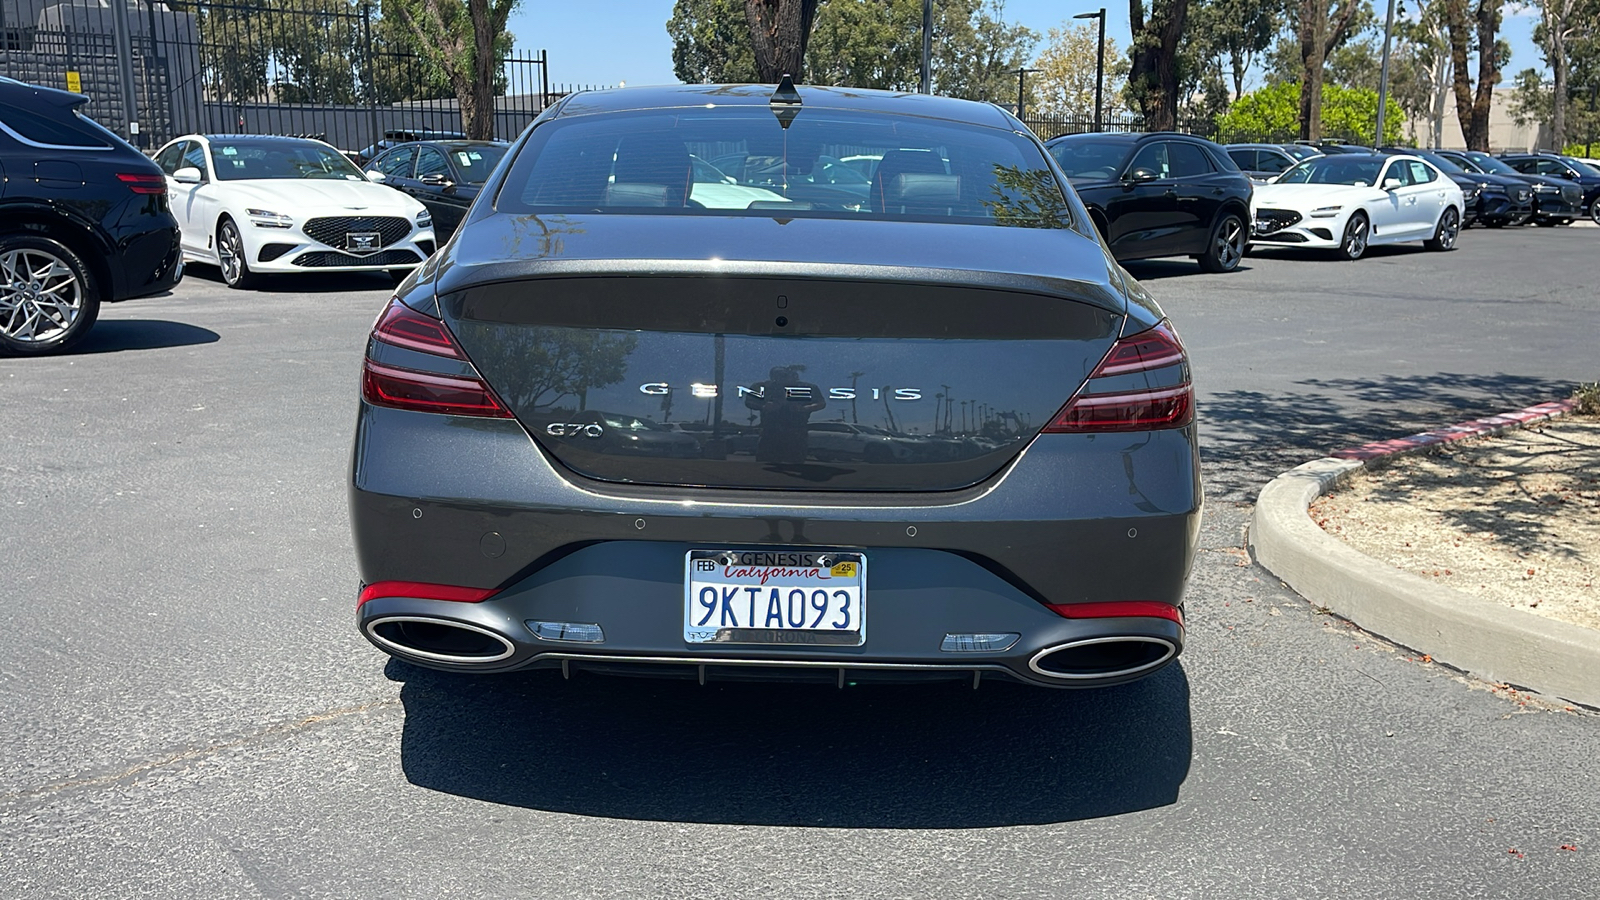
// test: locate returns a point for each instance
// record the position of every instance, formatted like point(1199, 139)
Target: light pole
point(1099, 66)
point(925, 86)
point(1383, 75)
point(1022, 75)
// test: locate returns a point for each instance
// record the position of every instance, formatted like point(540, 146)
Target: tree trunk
point(779, 32)
point(1488, 16)
point(1312, 33)
point(1154, 73)
point(1455, 12)
point(480, 125)
point(1556, 14)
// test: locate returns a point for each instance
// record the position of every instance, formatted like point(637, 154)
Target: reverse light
point(1325, 212)
point(140, 183)
point(430, 392)
point(266, 218)
point(422, 590)
point(1151, 408)
point(1117, 609)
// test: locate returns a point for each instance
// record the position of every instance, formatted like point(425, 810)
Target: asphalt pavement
point(186, 709)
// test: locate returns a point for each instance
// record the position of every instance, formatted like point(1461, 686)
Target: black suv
point(83, 220)
point(1563, 168)
point(1160, 194)
point(1555, 201)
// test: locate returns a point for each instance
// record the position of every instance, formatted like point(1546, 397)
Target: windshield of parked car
point(1088, 159)
point(1488, 163)
point(476, 163)
point(1301, 151)
point(1442, 164)
point(241, 160)
point(1357, 170)
point(1583, 168)
point(740, 160)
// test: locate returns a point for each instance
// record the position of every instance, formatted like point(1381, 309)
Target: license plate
point(363, 240)
point(800, 596)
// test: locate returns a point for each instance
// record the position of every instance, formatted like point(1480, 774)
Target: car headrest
point(636, 194)
point(923, 190)
point(902, 162)
point(658, 159)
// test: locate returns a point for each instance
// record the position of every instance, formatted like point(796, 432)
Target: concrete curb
point(1491, 641)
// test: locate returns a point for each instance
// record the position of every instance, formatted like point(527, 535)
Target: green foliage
point(711, 42)
point(1027, 198)
point(1273, 112)
point(863, 43)
point(1588, 397)
point(1065, 82)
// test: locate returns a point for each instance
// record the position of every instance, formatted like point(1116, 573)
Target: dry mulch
point(1513, 518)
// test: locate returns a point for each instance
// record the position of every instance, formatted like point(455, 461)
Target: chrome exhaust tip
point(1101, 658)
point(439, 640)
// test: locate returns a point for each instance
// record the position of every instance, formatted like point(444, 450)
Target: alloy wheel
point(1594, 211)
point(1355, 238)
point(1230, 243)
point(1449, 228)
point(230, 252)
point(40, 296)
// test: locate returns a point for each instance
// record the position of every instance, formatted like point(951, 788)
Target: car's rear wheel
point(1444, 235)
point(1354, 243)
point(1594, 211)
point(1227, 247)
point(48, 299)
point(231, 257)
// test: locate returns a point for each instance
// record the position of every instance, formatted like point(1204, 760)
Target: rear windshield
point(738, 161)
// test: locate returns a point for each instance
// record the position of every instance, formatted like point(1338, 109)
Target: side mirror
point(376, 177)
point(1390, 184)
point(436, 180)
point(1138, 175)
point(188, 175)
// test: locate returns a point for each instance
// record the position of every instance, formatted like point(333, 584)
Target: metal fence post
point(372, 74)
point(124, 39)
point(544, 79)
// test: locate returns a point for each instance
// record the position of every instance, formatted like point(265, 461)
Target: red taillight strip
point(1118, 609)
point(1150, 349)
point(403, 326)
point(143, 184)
point(422, 590)
point(1130, 411)
point(426, 392)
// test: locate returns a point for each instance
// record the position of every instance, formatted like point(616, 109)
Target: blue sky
point(611, 41)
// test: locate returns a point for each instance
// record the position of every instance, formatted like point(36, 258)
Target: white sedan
point(1351, 201)
point(250, 204)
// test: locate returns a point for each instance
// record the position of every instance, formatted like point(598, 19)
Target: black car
point(445, 175)
point(1160, 194)
point(1494, 200)
point(83, 221)
point(1562, 168)
point(1265, 161)
point(777, 486)
point(1556, 201)
point(403, 136)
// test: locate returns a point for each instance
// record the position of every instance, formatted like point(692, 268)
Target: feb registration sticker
point(798, 597)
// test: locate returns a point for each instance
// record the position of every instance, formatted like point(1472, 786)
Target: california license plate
point(775, 597)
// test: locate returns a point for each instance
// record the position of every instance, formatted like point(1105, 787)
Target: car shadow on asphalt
point(1247, 438)
point(116, 335)
point(312, 282)
point(868, 756)
point(1152, 269)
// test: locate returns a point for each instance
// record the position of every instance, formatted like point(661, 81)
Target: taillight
point(1117, 609)
point(431, 392)
point(1163, 402)
point(141, 183)
point(421, 590)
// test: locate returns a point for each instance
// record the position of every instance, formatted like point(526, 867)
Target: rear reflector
point(1118, 609)
point(426, 392)
point(143, 184)
point(1148, 409)
point(422, 590)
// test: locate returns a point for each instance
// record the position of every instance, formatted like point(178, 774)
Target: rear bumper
point(1075, 519)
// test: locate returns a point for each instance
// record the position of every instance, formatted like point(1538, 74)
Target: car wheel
point(1594, 211)
point(1444, 236)
point(231, 257)
point(1354, 244)
point(48, 299)
point(1227, 247)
